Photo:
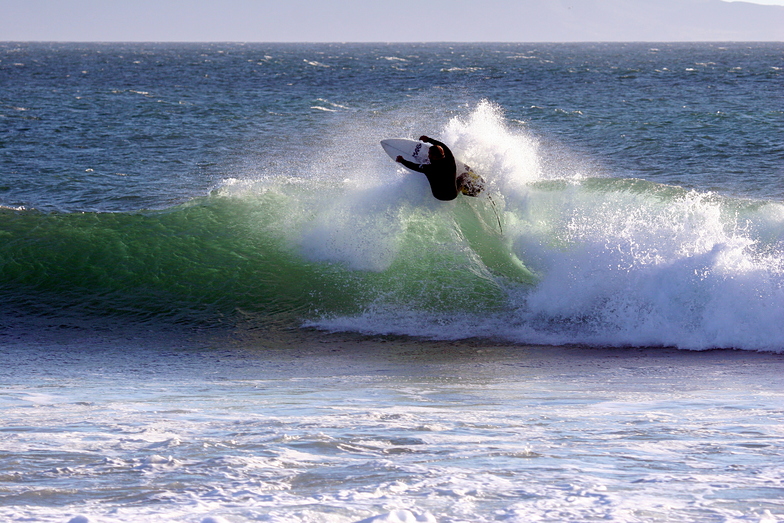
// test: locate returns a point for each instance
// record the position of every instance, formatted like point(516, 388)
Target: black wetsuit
point(442, 174)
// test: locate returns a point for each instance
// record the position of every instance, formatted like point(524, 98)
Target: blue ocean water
point(643, 185)
point(223, 214)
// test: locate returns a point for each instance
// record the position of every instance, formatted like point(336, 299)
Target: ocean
point(221, 301)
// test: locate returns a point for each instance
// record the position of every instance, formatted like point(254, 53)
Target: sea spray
point(175, 187)
point(508, 157)
point(361, 246)
point(621, 261)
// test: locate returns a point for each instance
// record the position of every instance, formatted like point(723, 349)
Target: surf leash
point(495, 210)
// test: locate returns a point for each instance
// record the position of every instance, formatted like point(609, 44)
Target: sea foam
point(621, 261)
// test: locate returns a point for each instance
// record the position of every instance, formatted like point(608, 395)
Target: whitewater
point(361, 247)
point(220, 300)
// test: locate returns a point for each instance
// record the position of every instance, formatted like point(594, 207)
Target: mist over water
point(337, 236)
point(206, 259)
point(619, 261)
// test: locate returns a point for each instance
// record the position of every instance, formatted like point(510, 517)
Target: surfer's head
point(435, 153)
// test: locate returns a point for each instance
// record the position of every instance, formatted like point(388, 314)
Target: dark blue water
point(177, 118)
point(205, 184)
point(205, 256)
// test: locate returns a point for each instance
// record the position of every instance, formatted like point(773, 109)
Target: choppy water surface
point(338, 431)
point(221, 302)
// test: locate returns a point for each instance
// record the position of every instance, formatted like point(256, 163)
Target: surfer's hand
point(399, 159)
point(424, 138)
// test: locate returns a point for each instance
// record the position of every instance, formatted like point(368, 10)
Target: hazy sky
point(375, 21)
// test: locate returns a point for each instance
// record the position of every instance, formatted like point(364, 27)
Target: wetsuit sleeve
point(435, 142)
point(447, 151)
point(411, 165)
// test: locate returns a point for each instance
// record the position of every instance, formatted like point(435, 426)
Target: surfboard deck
point(468, 182)
point(411, 150)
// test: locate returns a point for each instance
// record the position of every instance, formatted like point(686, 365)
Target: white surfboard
point(411, 150)
point(469, 183)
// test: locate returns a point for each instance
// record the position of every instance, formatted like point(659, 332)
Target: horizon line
point(390, 42)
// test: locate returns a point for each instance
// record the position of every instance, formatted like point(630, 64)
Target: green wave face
point(603, 261)
point(349, 243)
point(226, 257)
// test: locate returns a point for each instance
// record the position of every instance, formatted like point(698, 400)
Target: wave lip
point(362, 247)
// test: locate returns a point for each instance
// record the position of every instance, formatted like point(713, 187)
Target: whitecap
point(400, 516)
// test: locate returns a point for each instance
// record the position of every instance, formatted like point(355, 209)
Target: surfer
point(441, 172)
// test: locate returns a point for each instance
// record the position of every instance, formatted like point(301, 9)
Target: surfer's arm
point(411, 165)
point(433, 141)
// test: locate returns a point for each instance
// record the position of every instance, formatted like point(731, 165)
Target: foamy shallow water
point(241, 189)
point(346, 429)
